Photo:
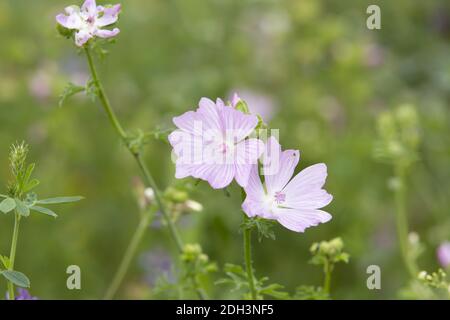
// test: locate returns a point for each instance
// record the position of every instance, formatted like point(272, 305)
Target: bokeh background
point(310, 67)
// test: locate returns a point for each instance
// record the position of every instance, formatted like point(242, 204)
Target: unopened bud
point(192, 205)
point(149, 195)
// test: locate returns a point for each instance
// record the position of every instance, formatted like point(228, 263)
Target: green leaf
point(44, 211)
point(7, 205)
point(70, 90)
point(5, 261)
point(28, 173)
point(22, 208)
point(60, 200)
point(31, 185)
point(92, 90)
point(16, 277)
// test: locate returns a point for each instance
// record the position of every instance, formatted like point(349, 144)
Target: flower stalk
point(137, 156)
point(12, 255)
point(247, 232)
point(144, 222)
point(402, 222)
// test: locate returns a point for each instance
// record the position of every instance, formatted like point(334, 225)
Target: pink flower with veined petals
point(89, 21)
point(443, 254)
point(212, 144)
point(293, 203)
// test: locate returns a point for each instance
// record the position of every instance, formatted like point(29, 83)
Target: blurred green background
point(311, 67)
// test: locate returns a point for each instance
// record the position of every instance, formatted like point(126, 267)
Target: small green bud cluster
point(328, 251)
point(398, 136)
point(436, 280)
point(193, 255)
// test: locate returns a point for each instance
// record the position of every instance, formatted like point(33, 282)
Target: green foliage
point(16, 277)
point(7, 205)
point(238, 280)
point(263, 226)
point(310, 293)
point(59, 200)
point(398, 136)
point(437, 280)
point(69, 91)
point(328, 252)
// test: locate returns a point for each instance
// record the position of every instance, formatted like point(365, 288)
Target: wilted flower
point(293, 203)
point(443, 254)
point(212, 144)
point(89, 21)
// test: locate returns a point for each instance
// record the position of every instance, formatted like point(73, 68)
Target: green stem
point(158, 197)
point(327, 280)
point(402, 222)
point(12, 255)
point(146, 173)
point(129, 255)
point(104, 99)
point(248, 260)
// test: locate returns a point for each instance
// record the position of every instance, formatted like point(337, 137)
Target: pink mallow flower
point(89, 21)
point(213, 144)
point(293, 203)
point(443, 254)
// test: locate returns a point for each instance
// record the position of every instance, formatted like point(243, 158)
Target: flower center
point(90, 20)
point(279, 197)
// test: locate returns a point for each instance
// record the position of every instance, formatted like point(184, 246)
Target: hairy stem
point(248, 260)
point(402, 222)
point(12, 254)
point(129, 255)
point(144, 170)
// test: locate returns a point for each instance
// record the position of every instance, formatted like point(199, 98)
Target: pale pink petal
point(287, 163)
point(110, 15)
point(443, 254)
point(71, 20)
point(184, 170)
point(310, 178)
point(219, 103)
point(237, 125)
point(209, 113)
point(103, 33)
point(187, 147)
point(247, 154)
point(314, 199)
point(249, 151)
point(242, 174)
point(218, 176)
point(299, 220)
point(90, 7)
point(189, 122)
point(254, 188)
point(81, 37)
point(254, 208)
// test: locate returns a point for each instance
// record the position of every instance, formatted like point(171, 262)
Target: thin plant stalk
point(402, 222)
point(247, 232)
point(327, 280)
point(144, 222)
point(145, 172)
point(12, 255)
